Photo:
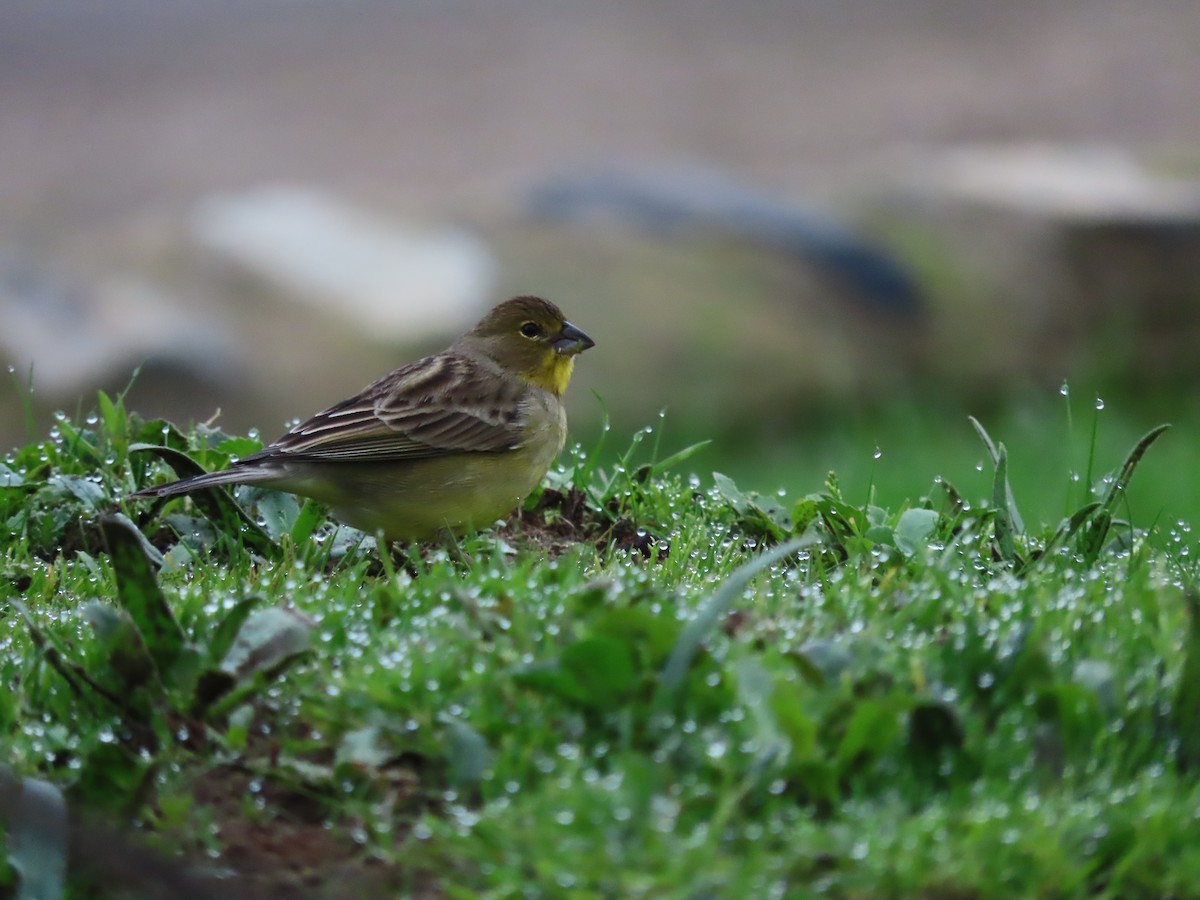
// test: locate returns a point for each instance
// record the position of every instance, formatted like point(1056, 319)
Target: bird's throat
point(554, 375)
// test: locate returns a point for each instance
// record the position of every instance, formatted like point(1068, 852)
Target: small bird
point(450, 442)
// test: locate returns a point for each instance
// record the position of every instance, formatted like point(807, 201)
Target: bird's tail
point(248, 475)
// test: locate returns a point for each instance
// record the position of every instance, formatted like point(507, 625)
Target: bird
point(443, 445)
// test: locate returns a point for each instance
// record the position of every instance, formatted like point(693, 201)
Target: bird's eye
point(531, 330)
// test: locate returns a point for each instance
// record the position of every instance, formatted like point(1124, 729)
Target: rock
point(389, 279)
point(1049, 262)
point(1067, 184)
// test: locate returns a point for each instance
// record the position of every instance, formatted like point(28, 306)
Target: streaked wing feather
point(436, 406)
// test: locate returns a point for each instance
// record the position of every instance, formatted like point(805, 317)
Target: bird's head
point(531, 337)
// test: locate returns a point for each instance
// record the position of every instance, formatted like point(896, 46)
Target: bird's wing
point(434, 407)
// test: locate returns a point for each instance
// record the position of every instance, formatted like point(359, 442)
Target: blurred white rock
point(390, 279)
point(1096, 183)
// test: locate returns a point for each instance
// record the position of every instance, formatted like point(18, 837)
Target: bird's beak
point(570, 340)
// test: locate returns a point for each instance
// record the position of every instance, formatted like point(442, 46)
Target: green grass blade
point(709, 617)
point(1121, 482)
point(1093, 538)
point(1004, 525)
point(680, 456)
point(1009, 502)
point(1066, 530)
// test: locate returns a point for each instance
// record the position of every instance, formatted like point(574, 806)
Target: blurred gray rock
point(1050, 262)
point(389, 279)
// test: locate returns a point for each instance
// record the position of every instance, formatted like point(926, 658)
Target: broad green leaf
point(160, 433)
point(139, 594)
point(603, 667)
point(85, 490)
point(727, 489)
point(38, 832)
point(914, 529)
point(278, 512)
point(311, 514)
point(239, 446)
point(267, 640)
point(152, 552)
point(467, 754)
point(650, 636)
point(128, 656)
point(550, 679)
point(114, 779)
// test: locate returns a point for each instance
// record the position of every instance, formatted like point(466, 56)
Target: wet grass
point(650, 683)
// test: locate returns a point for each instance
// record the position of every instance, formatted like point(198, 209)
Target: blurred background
point(819, 233)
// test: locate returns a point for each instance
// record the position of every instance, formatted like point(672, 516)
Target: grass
point(650, 684)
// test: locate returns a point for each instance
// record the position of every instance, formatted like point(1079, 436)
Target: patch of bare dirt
point(562, 520)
